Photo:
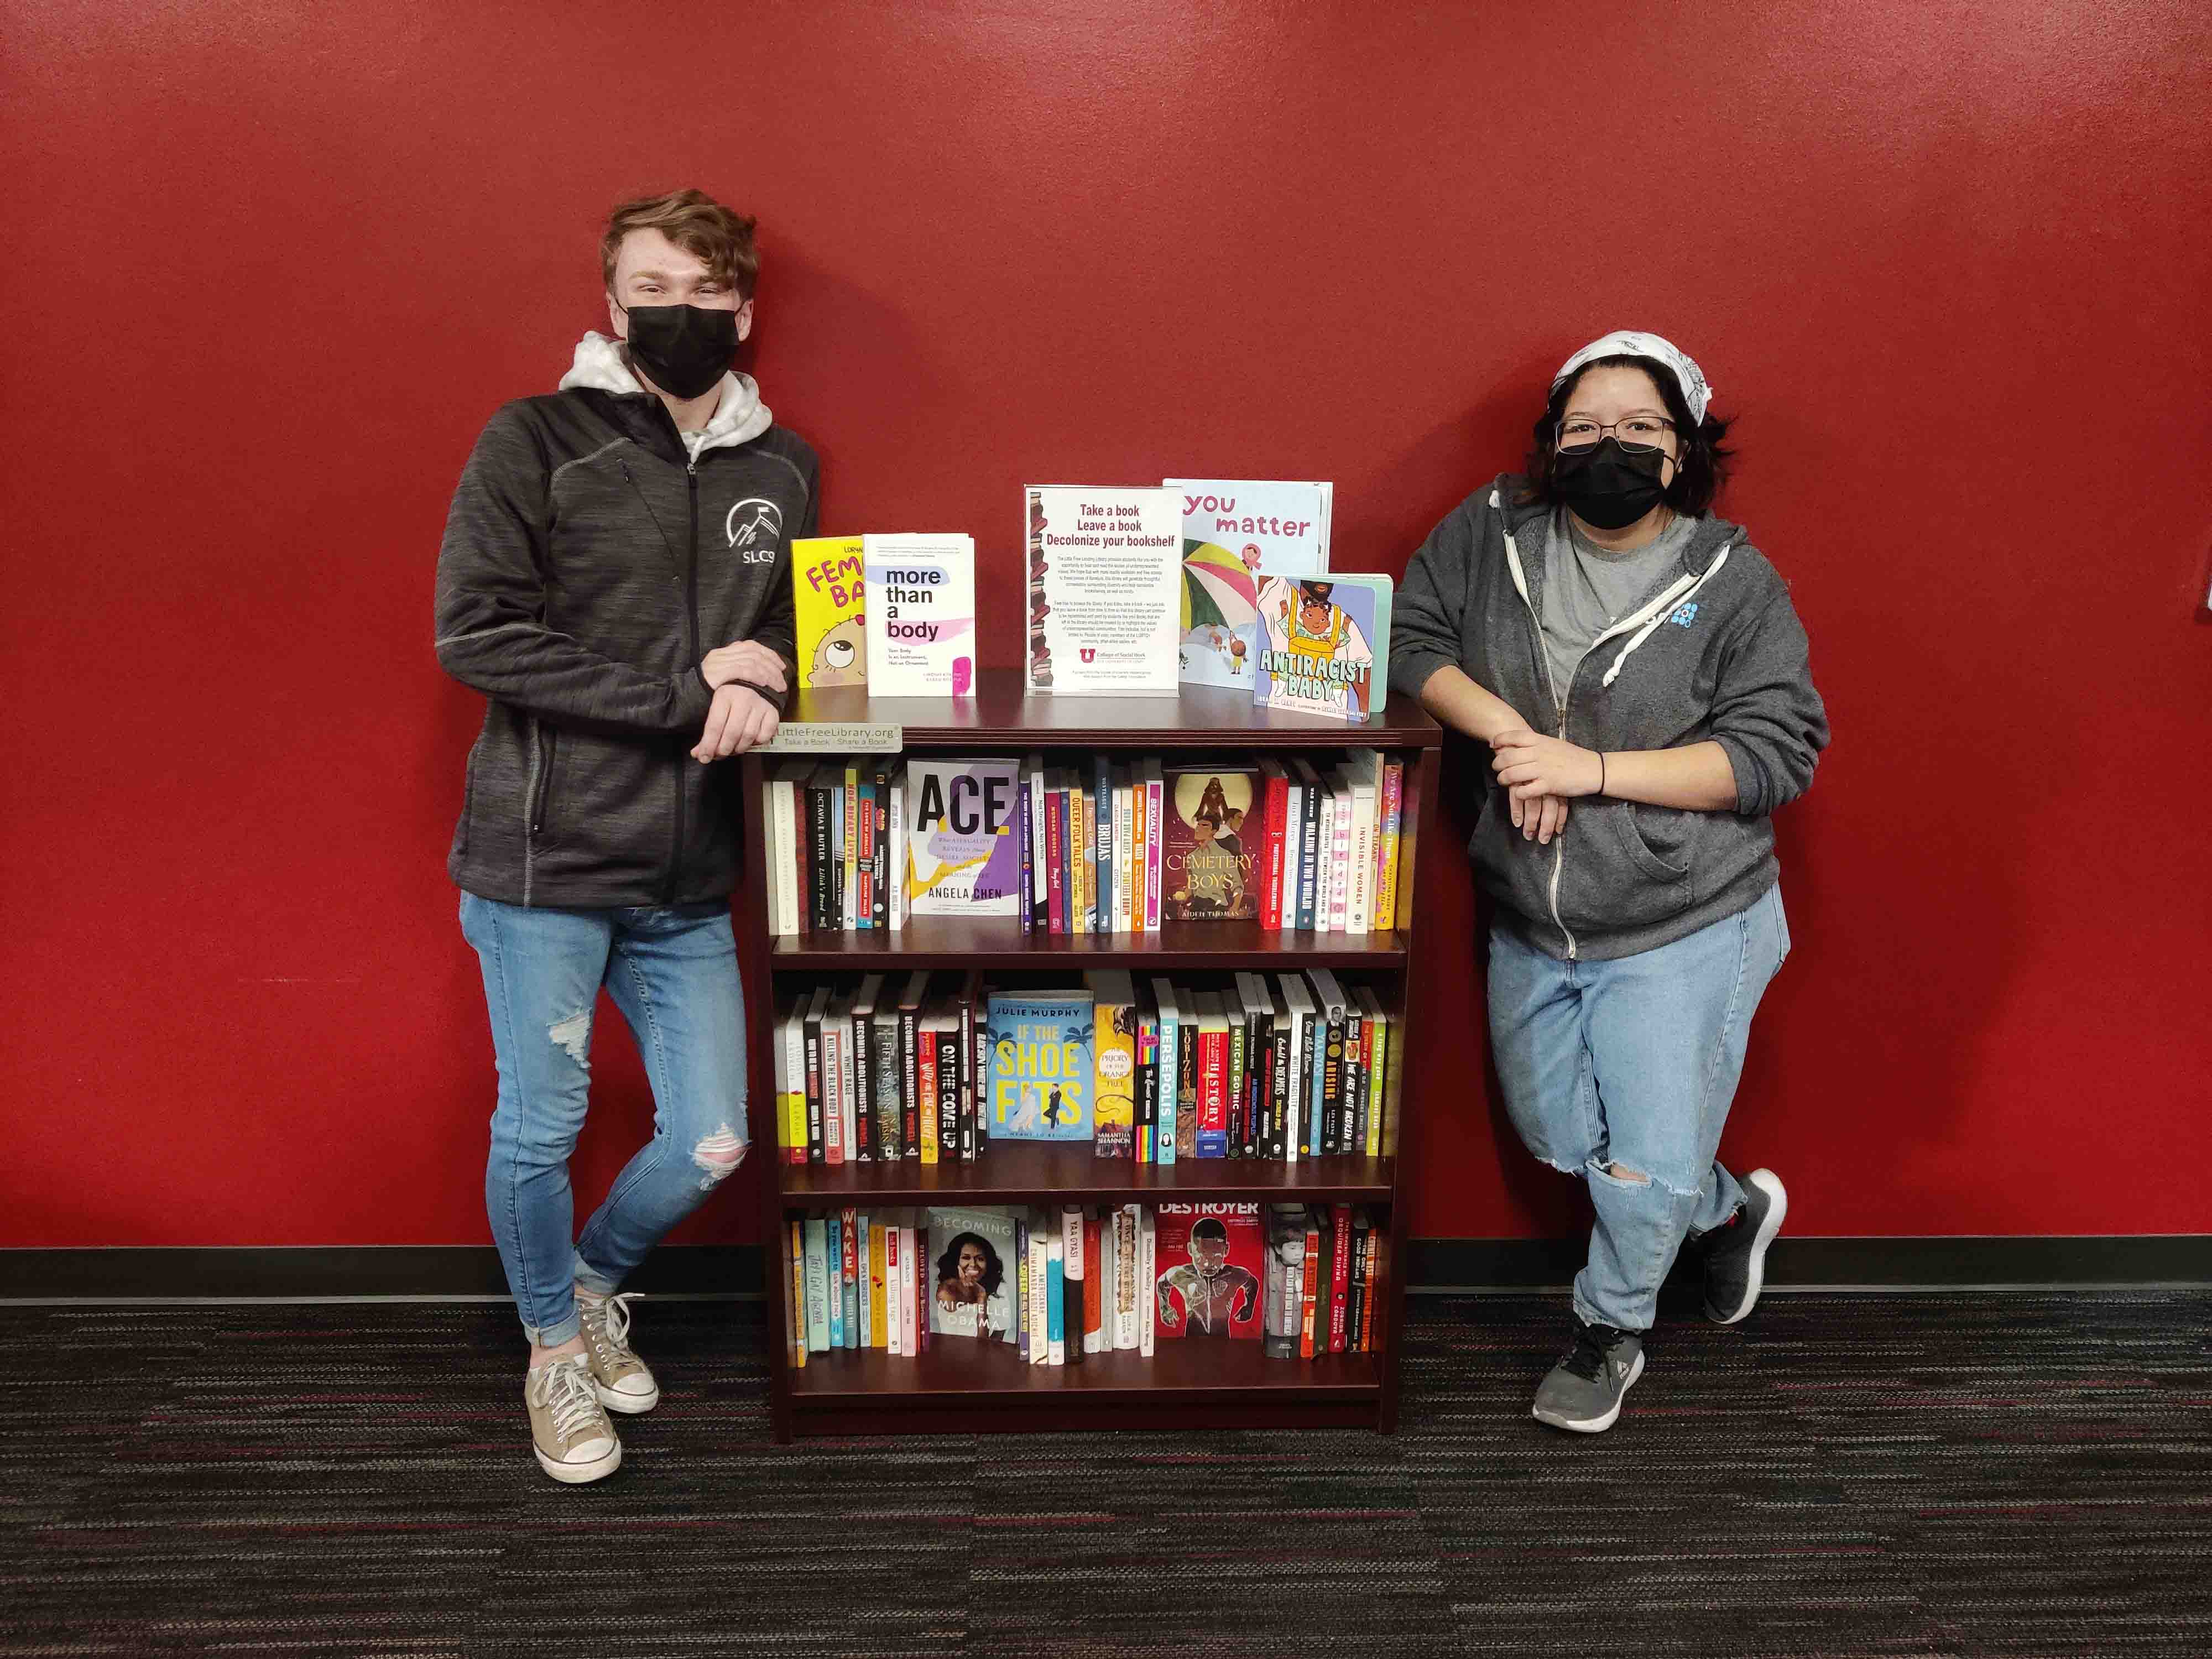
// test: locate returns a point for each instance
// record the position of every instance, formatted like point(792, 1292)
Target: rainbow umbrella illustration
point(1218, 591)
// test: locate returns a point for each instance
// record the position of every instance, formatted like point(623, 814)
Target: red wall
point(273, 266)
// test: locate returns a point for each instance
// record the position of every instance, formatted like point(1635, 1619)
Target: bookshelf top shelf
point(1003, 715)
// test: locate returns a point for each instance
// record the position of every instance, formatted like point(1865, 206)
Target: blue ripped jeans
point(673, 973)
point(1632, 1064)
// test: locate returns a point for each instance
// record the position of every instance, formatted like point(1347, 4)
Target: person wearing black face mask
point(616, 580)
point(1643, 682)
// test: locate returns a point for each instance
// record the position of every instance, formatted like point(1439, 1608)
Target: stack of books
point(1059, 1285)
point(1086, 844)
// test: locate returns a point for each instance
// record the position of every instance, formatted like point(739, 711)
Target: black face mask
point(1607, 485)
point(682, 350)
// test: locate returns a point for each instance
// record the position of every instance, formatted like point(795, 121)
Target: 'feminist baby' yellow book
point(826, 589)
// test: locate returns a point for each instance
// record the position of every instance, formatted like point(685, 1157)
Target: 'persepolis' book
point(1041, 1067)
point(826, 597)
point(1237, 534)
point(1324, 646)
point(1105, 588)
point(920, 606)
point(963, 851)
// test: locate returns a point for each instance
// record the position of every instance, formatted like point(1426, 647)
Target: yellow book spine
point(879, 1313)
point(795, 1325)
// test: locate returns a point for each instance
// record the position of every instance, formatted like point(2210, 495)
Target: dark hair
point(948, 1265)
point(1207, 1227)
point(1699, 474)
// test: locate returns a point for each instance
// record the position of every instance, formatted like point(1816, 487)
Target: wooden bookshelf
point(963, 1386)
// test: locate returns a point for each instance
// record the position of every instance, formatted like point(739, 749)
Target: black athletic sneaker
point(1735, 1251)
point(1583, 1391)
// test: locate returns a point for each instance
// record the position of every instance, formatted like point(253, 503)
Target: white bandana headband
point(1628, 343)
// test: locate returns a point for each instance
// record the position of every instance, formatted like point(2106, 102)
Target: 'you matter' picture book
point(1237, 534)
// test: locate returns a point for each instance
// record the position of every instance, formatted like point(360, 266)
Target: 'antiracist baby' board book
point(1105, 577)
point(1041, 1067)
point(1209, 1268)
point(920, 606)
point(1237, 534)
point(826, 588)
point(1209, 858)
point(1325, 645)
point(970, 1273)
point(963, 851)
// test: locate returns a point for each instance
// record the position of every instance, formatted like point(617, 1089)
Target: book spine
point(910, 1032)
point(1332, 1086)
point(1339, 1273)
point(1355, 1315)
point(898, 855)
point(1081, 910)
point(1361, 894)
point(848, 801)
point(964, 1129)
point(879, 882)
point(1094, 1281)
point(1274, 848)
point(795, 1263)
point(925, 1093)
point(818, 1283)
point(1390, 813)
point(863, 1142)
point(1040, 1294)
point(864, 852)
point(1124, 1311)
point(981, 1062)
point(1147, 1278)
point(893, 1289)
point(1378, 1247)
point(1170, 1078)
point(1025, 879)
point(1210, 1138)
point(1238, 1029)
point(1155, 805)
point(1101, 813)
point(833, 1277)
point(1309, 1298)
point(1309, 857)
point(1317, 1085)
point(817, 1136)
point(1186, 1055)
point(1378, 1051)
point(817, 844)
point(1055, 1297)
point(864, 1302)
point(1351, 1122)
point(1055, 862)
point(1020, 1274)
point(917, 1301)
point(1040, 864)
point(849, 1268)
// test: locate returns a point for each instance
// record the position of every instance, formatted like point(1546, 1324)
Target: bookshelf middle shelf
point(1069, 1172)
point(999, 942)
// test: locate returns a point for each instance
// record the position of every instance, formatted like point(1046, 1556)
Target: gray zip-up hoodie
point(1715, 652)
point(592, 558)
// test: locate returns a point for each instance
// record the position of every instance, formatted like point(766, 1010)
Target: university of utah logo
point(754, 527)
point(1090, 652)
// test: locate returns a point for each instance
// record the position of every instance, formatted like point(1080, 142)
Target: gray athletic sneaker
point(1584, 1390)
point(1735, 1251)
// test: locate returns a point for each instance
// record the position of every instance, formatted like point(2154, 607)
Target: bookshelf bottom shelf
point(961, 1386)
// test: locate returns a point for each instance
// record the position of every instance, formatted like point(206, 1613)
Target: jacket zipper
point(1543, 656)
point(691, 625)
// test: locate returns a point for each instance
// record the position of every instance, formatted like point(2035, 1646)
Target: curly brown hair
point(695, 222)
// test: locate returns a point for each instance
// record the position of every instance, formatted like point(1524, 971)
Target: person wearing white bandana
point(1644, 684)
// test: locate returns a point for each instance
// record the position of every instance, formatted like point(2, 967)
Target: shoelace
point(565, 1387)
point(613, 1321)
point(1586, 1359)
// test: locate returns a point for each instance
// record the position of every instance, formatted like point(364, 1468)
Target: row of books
point(1063, 1283)
point(1087, 844)
point(933, 1069)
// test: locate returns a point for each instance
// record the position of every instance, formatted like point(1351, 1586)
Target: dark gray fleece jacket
point(1716, 652)
point(589, 563)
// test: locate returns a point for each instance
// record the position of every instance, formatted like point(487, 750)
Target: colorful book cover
point(1042, 1067)
point(1325, 646)
point(1105, 588)
point(1237, 533)
point(1209, 866)
point(964, 855)
point(1210, 1260)
point(1113, 1090)
point(968, 1271)
point(921, 615)
point(826, 597)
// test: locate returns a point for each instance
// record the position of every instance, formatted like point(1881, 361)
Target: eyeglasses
point(1639, 435)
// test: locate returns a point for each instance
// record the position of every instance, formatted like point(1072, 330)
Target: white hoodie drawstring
point(1665, 606)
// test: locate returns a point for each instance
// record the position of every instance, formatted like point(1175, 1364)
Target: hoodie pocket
point(1613, 881)
point(541, 795)
point(1657, 840)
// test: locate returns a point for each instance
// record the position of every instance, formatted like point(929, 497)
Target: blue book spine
point(1163, 1132)
point(834, 1248)
point(864, 915)
point(1318, 1042)
point(1055, 1302)
point(867, 1227)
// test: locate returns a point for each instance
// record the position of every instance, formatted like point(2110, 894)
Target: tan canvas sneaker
point(573, 1438)
point(625, 1384)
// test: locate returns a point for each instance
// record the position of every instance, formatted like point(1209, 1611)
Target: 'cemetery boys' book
point(968, 1274)
point(964, 854)
point(1324, 645)
point(1041, 1067)
point(1237, 533)
point(826, 590)
point(1105, 574)
point(920, 606)
point(1210, 859)
point(1209, 1268)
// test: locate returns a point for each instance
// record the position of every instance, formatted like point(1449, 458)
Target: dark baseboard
point(1434, 1265)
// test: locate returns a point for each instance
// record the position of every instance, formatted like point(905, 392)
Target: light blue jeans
point(673, 974)
point(1633, 1063)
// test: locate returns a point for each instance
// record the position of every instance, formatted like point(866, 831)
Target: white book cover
point(793, 1035)
point(893, 1289)
point(835, 1024)
point(1040, 1349)
point(1148, 1278)
point(1298, 998)
point(920, 608)
point(1105, 580)
point(1340, 890)
point(1325, 869)
point(910, 1287)
point(863, 1277)
point(1124, 815)
point(788, 778)
point(1237, 533)
point(1125, 1309)
point(1363, 774)
point(1033, 780)
point(1294, 841)
point(775, 851)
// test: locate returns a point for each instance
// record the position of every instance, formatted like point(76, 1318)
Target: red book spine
point(1339, 1274)
point(1094, 1309)
point(1056, 861)
point(930, 1150)
point(1367, 1303)
point(1275, 815)
point(1309, 1299)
